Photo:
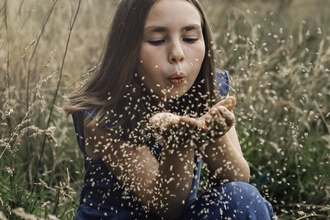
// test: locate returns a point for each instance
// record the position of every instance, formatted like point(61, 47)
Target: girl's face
point(172, 48)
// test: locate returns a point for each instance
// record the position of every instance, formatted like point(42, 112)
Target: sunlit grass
point(279, 62)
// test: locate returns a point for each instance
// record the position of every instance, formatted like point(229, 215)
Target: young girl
point(152, 113)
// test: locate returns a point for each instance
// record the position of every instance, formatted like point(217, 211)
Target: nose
point(176, 53)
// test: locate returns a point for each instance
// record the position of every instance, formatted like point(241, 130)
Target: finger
point(228, 102)
point(221, 117)
point(155, 119)
point(164, 120)
point(227, 115)
point(208, 120)
point(190, 122)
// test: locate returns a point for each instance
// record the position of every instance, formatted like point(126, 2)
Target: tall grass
point(279, 60)
point(280, 63)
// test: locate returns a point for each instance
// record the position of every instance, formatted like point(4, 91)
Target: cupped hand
point(215, 123)
point(219, 119)
point(179, 128)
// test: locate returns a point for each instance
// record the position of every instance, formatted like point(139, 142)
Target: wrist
point(204, 138)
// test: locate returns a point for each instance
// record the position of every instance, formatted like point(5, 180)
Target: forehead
point(173, 13)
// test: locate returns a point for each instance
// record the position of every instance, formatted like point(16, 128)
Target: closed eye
point(156, 42)
point(190, 40)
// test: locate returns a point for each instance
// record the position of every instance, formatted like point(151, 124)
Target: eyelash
point(187, 40)
point(190, 40)
point(156, 42)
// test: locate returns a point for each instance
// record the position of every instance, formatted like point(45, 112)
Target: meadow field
point(278, 55)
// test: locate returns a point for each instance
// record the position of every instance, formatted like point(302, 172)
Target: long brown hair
point(114, 92)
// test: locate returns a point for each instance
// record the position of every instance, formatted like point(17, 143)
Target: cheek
point(202, 52)
point(147, 74)
point(148, 62)
point(199, 54)
point(199, 58)
point(148, 53)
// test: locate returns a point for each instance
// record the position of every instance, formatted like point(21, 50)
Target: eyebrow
point(160, 29)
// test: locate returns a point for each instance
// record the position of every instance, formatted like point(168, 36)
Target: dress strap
point(78, 122)
point(223, 83)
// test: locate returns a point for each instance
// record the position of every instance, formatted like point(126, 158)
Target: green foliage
point(280, 74)
point(279, 62)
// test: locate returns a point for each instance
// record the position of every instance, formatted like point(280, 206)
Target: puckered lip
point(177, 78)
point(177, 75)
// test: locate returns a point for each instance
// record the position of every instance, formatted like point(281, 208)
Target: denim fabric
point(85, 212)
point(235, 200)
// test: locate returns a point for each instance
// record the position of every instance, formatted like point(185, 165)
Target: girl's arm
point(220, 148)
point(225, 161)
point(162, 187)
